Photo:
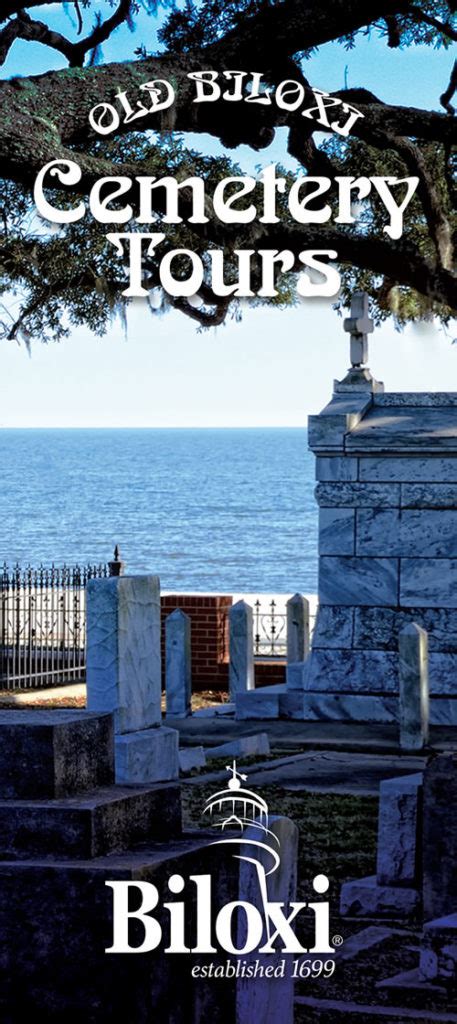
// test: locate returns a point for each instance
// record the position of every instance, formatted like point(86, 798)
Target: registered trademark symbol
point(337, 940)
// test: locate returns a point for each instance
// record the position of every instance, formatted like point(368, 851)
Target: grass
point(199, 700)
point(338, 838)
point(336, 835)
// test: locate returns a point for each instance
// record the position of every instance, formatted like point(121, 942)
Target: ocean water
point(227, 510)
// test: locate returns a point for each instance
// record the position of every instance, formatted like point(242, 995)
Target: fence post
point(178, 675)
point(117, 566)
point(413, 686)
point(241, 649)
point(297, 629)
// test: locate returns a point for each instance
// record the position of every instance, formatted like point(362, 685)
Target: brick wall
point(208, 615)
point(209, 636)
point(269, 672)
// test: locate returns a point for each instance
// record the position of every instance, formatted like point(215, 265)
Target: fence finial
point(117, 566)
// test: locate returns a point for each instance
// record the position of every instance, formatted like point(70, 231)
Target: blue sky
point(274, 367)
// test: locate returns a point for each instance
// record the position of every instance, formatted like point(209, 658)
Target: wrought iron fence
point(270, 630)
point(43, 624)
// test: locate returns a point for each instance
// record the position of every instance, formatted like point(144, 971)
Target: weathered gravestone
point(436, 853)
point(124, 675)
point(395, 890)
point(270, 701)
point(416, 873)
point(297, 612)
point(178, 672)
point(241, 647)
point(439, 852)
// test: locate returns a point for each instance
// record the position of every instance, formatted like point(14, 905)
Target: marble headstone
point(178, 673)
point(124, 675)
point(241, 641)
point(297, 610)
point(123, 650)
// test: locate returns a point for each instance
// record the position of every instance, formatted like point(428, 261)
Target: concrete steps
point(89, 825)
point(331, 1011)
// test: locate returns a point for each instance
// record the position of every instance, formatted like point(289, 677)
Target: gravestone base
point(315, 706)
point(245, 746)
point(366, 898)
point(190, 758)
point(281, 701)
point(258, 704)
point(333, 685)
point(216, 711)
point(438, 960)
point(413, 982)
point(148, 756)
point(437, 970)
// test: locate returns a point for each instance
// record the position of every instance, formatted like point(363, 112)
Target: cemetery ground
point(75, 697)
point(332, 796)
point(338, 837)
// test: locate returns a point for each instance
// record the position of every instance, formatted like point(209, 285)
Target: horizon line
point(167, 426)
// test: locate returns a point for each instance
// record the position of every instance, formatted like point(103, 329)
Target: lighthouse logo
point(237, 809)
point(260, 924)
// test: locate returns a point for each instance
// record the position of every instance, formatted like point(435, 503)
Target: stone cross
point(359, 325)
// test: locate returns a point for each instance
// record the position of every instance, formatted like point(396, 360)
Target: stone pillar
point(297, 629)
point(178, 676)
point(124, 675)
point(413, 686)
point(241, 671)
